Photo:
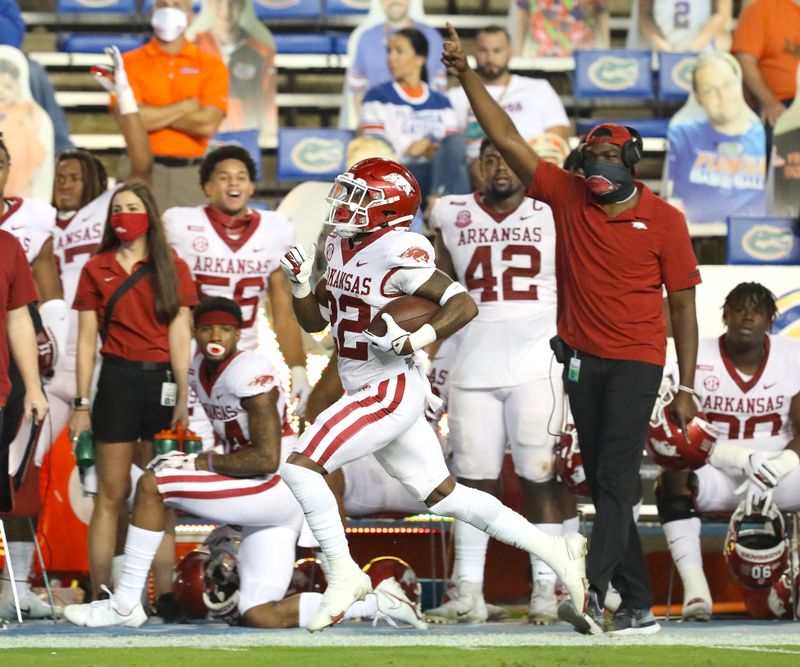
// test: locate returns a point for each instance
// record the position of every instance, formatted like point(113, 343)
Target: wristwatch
point(81, 402)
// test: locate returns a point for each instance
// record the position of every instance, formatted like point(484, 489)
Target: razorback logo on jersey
point(417, 254)
point(262, 381)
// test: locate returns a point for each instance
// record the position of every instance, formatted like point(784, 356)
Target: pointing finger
point(451, 32)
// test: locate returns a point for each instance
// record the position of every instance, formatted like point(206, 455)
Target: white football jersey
point(235, 269)
point(532, 104)
point(507, 263)
point(681, 21)
point(31, 221)
point(361, 279)
point(243, 374)
point(74, 241)
point(750, 411)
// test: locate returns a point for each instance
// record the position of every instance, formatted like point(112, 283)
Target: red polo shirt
point(610, 271)
point(16, 290)
point(134, 333)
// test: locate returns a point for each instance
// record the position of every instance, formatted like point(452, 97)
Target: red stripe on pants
point(326, 428)
point(361, 422)
point(224, 493)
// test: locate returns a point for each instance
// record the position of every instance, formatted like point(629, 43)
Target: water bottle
point(165, 441)
point(84, 450)
point(192, 443)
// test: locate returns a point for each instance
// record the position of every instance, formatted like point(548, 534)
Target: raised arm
point(297, 264)
point(495, 122)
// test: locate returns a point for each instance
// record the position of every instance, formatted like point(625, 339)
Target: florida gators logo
point(318, 155)
point(417, 254)
point(768, 242)
point(614, 73)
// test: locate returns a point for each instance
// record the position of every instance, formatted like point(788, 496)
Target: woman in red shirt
point(142, 386)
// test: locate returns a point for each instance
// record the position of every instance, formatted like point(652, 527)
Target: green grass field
point(534, 656)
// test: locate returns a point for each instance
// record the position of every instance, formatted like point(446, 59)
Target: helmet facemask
point(353, 207)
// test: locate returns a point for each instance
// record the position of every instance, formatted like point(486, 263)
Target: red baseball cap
point(609, 133)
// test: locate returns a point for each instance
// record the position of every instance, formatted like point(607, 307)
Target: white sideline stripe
point(756, 638)
point(757, 649)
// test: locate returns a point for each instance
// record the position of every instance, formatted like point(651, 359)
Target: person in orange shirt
point(182, 92)
point(767, 44)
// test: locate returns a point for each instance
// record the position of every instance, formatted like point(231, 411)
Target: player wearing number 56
point(233, 251)
point(372, 261)
point(136, 294)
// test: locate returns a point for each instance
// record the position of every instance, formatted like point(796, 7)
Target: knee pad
point(534, 463)
point(674, 506)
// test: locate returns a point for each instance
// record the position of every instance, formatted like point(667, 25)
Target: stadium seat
point(69, 42)
point(343, 7)
point(287, 9)
point(763, 240)
point(96, 7)
point(311, 154)
point(649, 128)
point(147, 6)
point(247, 139)
point(675, 75)
point(304, 43)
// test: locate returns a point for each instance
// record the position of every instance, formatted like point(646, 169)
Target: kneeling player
point(240, 391)
point(749, 387)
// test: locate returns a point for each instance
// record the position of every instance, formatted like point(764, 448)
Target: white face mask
point(169, 23)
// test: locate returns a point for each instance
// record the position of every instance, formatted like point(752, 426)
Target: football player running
point(748, 385)
point(500, 244)
point(372, 259)
point(241, 392)
point(233, 251)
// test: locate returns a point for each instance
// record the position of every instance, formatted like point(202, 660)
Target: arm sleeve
point(679, 269)
point(407, 280)
point(87, 296)
point(187, 292)
point(214, 91)
point(22, 290)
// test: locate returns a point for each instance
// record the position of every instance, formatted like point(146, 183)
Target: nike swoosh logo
point(360, 263)
point(769, 386)
point(259, 249)
point(526, 217)
point(16, 227)
point(108, 279)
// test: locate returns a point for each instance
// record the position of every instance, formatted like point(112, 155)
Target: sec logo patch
point(200, 244)
point(463, 219)
point(329, 251)
point(711, 383)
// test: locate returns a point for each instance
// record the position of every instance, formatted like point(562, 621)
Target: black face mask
point(608, 182)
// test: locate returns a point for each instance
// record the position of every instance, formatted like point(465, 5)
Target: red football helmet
point(221, 580)
point(568, 462)
point(383, 567)
point(755, 547)
point(374, 193)
point(307, 577)
point(671, 448)
point(189, 585)
point(782, 601)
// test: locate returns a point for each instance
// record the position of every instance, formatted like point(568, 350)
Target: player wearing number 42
point(382, 413)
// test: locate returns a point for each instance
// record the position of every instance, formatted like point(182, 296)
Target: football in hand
point(410, 313)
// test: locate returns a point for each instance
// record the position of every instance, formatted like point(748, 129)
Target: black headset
point(632, 150)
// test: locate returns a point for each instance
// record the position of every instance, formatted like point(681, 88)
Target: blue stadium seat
point(68, 42)
point(763, 240)
point(287, 9)
point(96, 7)
point(247, 139)
point(613, 73)
point(303, 43)
point(339, 40)
point(311, 154)
point(675, 75)
point(340, 7)
point(147, 6)
point(648, 127)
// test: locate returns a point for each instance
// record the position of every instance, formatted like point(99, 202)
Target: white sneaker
point(696, 609)
point(30, 604)
point(466, 605)
point(394, 605)
point(495, 614)
point(613, 599)
point(103, 613)
point(543, 609)
point(344, 588)
point(569, 564)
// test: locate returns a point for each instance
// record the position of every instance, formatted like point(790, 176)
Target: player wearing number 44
point(372, 260)
point(233, 251)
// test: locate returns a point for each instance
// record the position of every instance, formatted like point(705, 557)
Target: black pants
point(611, 402)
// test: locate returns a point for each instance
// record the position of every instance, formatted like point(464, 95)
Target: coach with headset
point(616, 245)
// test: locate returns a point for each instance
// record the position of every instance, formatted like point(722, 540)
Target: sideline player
point(31, 221)
point(241, 392)
point(748, 383)
point(233, 251)
point(504, 383)
point(372, 258)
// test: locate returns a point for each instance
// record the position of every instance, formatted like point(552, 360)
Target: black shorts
point(127, 406)
point(12, 417)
